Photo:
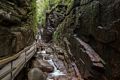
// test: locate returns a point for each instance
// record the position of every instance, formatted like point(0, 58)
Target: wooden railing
point(11, 66)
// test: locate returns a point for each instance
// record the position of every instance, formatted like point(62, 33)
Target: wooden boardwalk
point(11, 66)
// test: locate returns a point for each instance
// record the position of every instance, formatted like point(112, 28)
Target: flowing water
point(56, 72)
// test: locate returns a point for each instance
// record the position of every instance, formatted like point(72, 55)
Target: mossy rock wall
point(97, 23)
point(17, 25)
point(55, 16)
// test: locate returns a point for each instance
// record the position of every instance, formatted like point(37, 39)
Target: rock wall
point(96, 22)
point(17, 25)
point(53, 18)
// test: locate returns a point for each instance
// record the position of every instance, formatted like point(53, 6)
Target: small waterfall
point(56, 72)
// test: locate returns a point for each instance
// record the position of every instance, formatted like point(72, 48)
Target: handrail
point(15, 56)
point(7, 60)
point(17, 66)
point(5, 74)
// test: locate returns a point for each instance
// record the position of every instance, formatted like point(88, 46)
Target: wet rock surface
point(44, 65)
point(16, 28)
point(88, 32)
point(53, 18)
point(48, 63)
point(36, 74)
point(96, 22)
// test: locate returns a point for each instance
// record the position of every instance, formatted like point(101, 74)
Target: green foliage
point(34, 17)
point(46, 5)
point(43, 6)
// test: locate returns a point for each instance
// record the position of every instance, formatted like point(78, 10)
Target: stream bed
point(52, 63)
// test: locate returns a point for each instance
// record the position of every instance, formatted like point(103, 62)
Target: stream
point(56, 72)
point(52, 63)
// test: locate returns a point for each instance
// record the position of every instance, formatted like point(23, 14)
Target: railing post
point(11, 70)
point(25, 57)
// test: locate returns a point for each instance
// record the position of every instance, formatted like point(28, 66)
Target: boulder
point(36, 74)
point(43, 65)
